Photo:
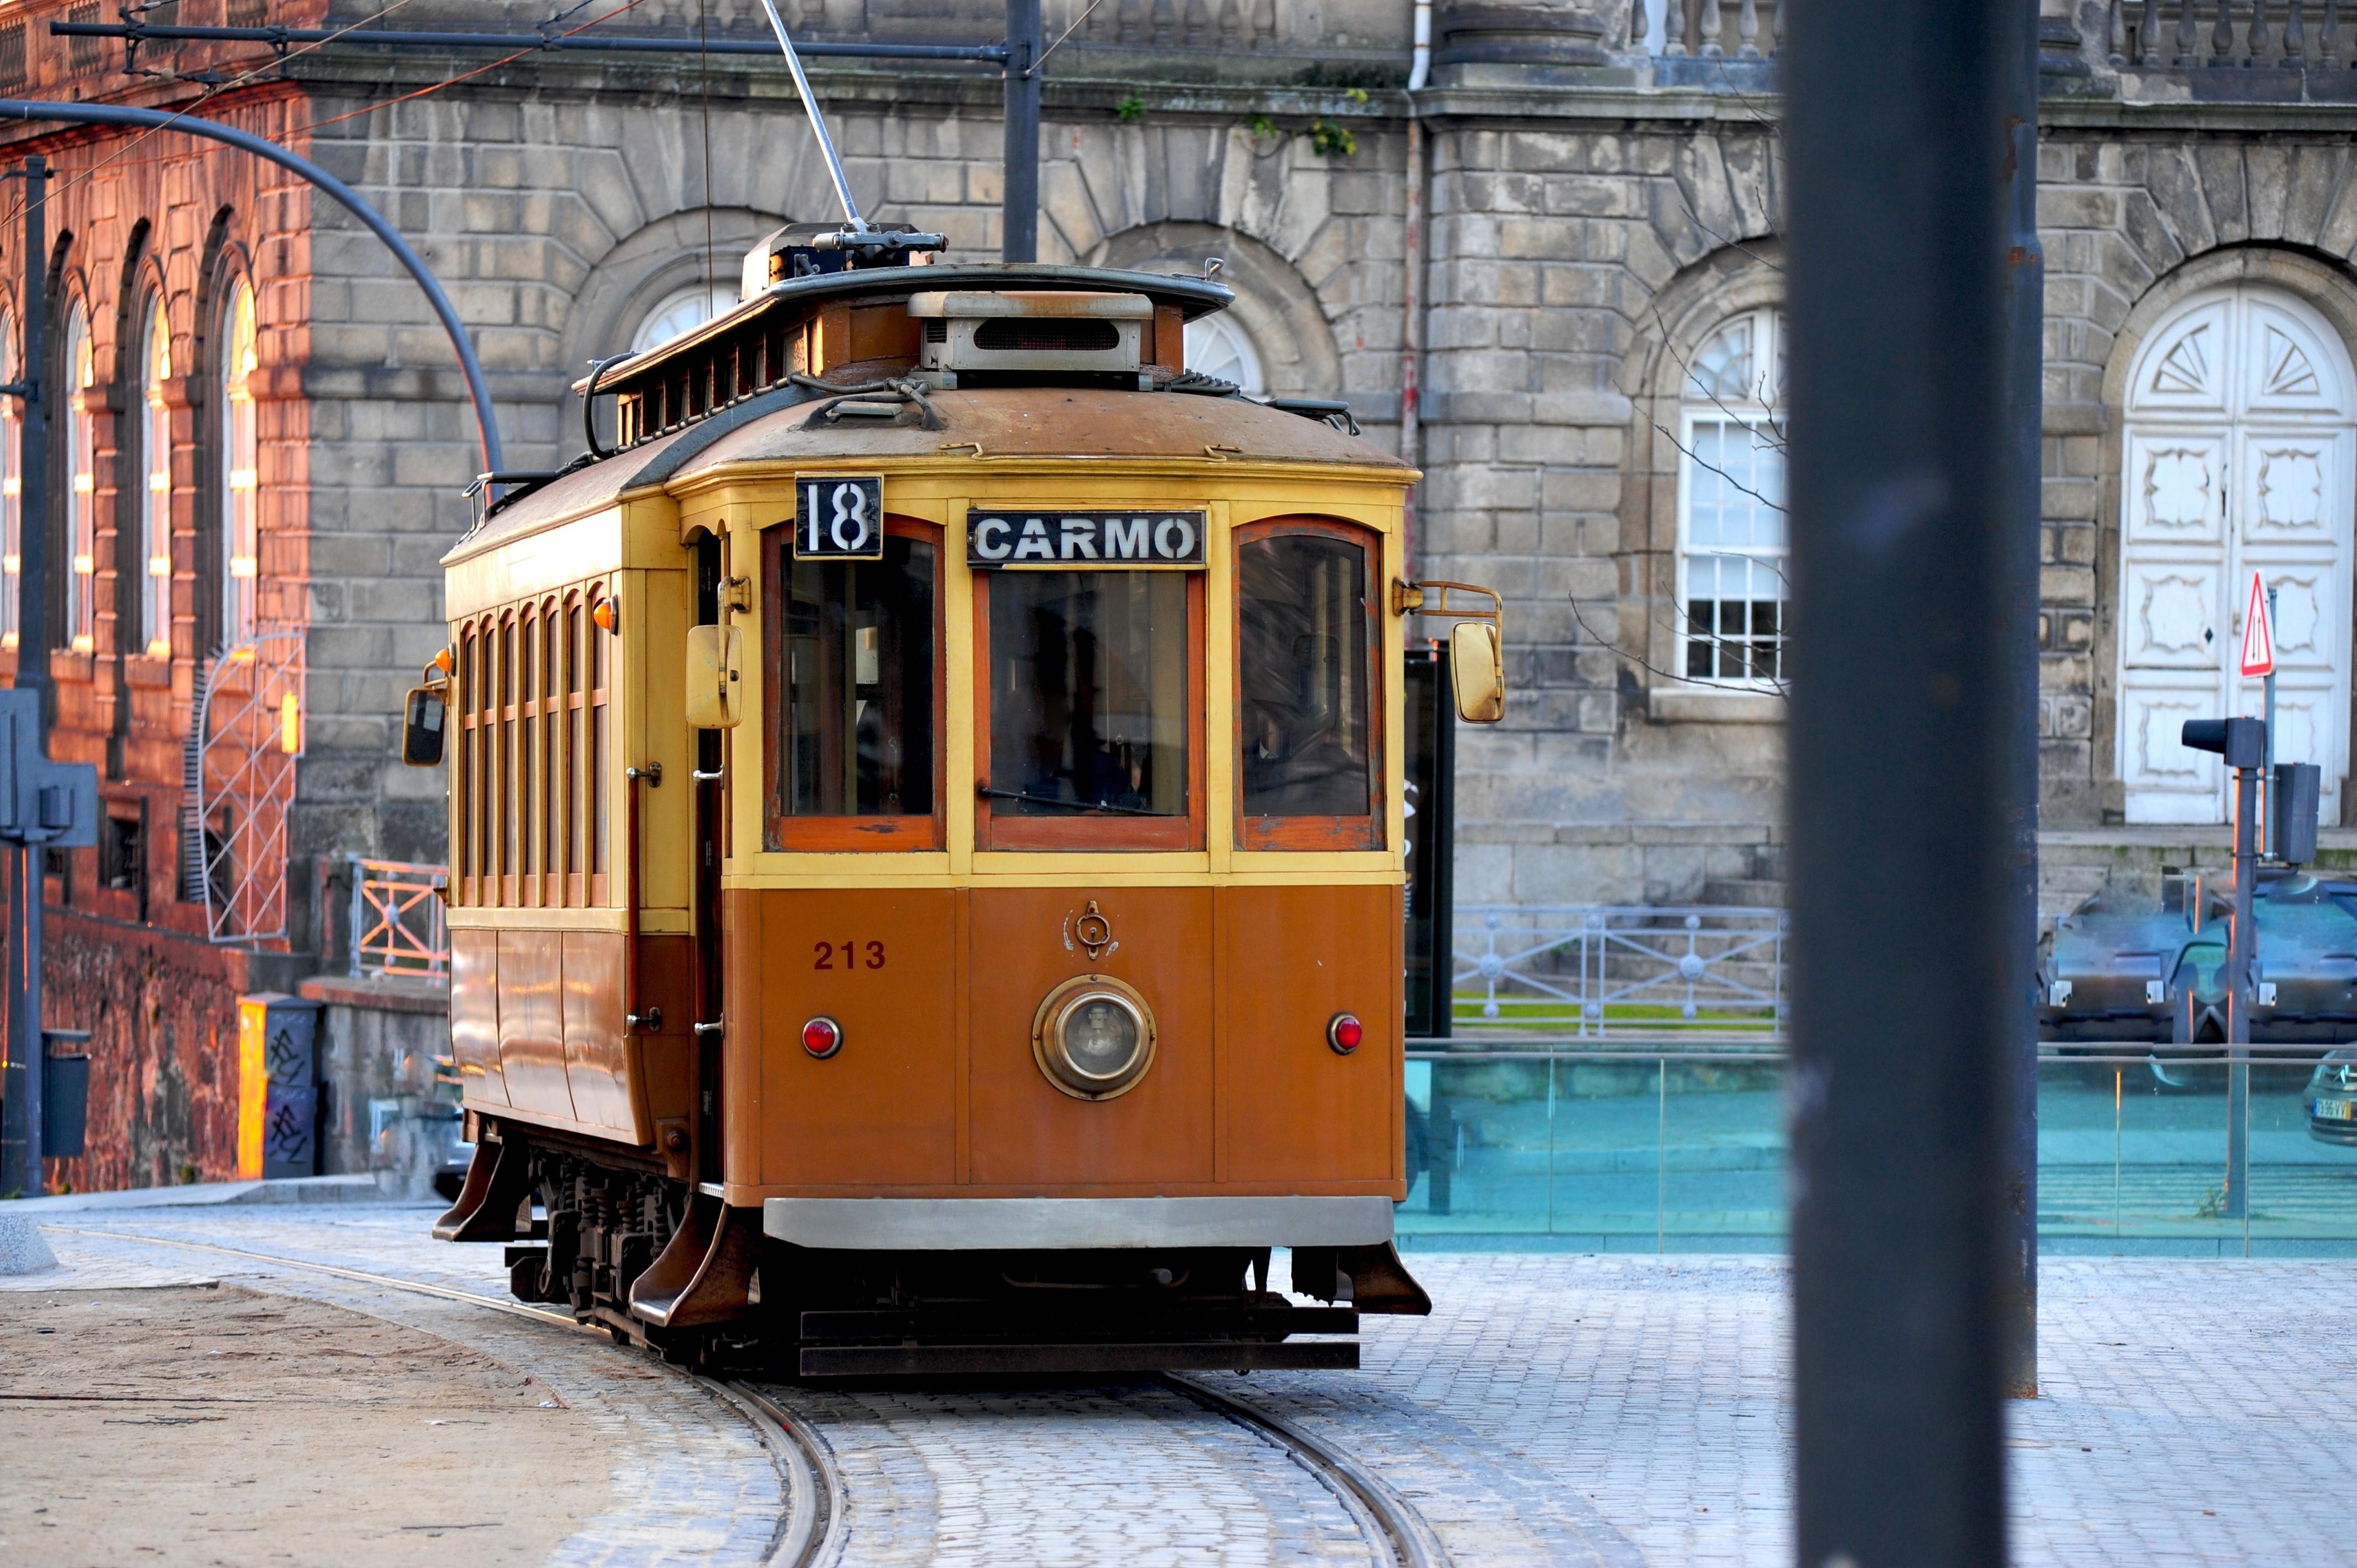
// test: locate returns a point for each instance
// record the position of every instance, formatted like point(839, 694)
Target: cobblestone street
point(1556, 1409)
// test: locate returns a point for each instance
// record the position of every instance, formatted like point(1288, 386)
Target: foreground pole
point(1902, 725)
point(2017, 529)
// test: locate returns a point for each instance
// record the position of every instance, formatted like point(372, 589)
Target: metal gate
point(243, 744)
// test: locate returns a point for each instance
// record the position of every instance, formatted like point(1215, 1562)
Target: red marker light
point(822, 1036)
point(1343, 1032)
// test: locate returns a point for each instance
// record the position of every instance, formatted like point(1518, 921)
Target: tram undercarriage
point(665, 1267)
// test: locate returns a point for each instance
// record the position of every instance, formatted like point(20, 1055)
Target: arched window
point(12, 488)
point(155, 631)
point(1216, 347)
point(682, 310)
point(239, 462)
point(82, 483)
point(1732, 539)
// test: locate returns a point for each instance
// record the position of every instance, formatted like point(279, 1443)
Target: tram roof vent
point(1030, 335)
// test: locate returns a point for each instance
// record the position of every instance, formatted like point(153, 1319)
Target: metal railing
point(1586, 968)
point(398, 927)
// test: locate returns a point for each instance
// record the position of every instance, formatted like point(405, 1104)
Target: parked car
point(2114, 976)
point(2332, 1099)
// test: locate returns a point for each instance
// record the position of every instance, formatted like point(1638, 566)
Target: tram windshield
point(856, 729)
point(1088, 683)
point(1302, 616)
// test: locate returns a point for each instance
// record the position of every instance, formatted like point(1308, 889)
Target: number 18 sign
point(839, 517)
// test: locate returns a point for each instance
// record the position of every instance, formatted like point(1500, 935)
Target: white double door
point(2238, 457)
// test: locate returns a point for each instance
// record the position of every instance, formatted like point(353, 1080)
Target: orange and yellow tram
point(926, 838)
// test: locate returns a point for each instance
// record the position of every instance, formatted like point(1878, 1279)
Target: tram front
point(1036, 844)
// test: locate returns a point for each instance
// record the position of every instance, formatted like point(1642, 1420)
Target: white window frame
point(155, 491)
point(240, 461)
point(1755, 411)
point(12, 489)
point(82, 483)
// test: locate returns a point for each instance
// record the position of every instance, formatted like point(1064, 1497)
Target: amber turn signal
point(604, 614)
point(822, 1036)
point(1343, 1032)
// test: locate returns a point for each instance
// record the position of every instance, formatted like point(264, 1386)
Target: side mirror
point(422, 720)
point(1477, 666)
point(716, 676)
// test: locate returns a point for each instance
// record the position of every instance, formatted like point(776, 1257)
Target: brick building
point(1600, 374)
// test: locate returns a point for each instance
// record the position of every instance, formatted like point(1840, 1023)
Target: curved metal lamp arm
point(352, 201)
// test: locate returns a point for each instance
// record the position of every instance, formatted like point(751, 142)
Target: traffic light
point(2242, 742)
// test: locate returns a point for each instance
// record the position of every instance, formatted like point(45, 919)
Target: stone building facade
point(1596, 301)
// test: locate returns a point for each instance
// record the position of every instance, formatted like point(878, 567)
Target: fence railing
point(398, 922)
point(1589, 969)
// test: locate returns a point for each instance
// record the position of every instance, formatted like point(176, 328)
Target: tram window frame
point(1280, 833)
point(994, 831)
point(785, 832)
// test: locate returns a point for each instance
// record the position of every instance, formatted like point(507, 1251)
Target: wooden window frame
point(598, 726)
point(1083, 834)
point(851, 835)
point(1326, 832)
point(462, 769)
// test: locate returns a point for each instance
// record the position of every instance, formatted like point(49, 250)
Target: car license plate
point(2335, 1111)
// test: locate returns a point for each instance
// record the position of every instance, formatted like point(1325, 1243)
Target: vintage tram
point(926, 836)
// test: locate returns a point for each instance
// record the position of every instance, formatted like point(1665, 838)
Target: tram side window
point(1088, 703)
point(1306, 685)
point(854, 713)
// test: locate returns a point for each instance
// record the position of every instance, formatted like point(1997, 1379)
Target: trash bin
point(65, 1092)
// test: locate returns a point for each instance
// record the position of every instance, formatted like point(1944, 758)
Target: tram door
point(710, 807)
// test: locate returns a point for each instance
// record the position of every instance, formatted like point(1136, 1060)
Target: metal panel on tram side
point(1295, 1112)
point(882, 962)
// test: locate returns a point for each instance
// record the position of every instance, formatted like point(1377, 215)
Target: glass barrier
point(1646, 1151)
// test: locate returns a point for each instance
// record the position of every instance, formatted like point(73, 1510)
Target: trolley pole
point(1903, 741)
point(2017, 529)
point(1019, 214)
point(20, 1117)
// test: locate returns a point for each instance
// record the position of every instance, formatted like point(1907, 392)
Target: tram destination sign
point(997, 540)
point(839, 517)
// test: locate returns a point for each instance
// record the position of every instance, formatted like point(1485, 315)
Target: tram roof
point(786, 426)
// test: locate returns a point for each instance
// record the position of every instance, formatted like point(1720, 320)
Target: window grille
point(1732, 535)
point(12, 55)
point(83, 52)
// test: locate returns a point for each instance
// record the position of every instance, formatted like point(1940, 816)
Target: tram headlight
point(1093, 1037)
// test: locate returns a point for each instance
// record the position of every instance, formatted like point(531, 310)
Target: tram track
point(811, 1528)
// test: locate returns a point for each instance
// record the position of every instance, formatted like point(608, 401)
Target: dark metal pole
point(2017, 524)
point(1901, 734)
point(2240, 993)
point(20, 1128)
point(352, 200)
point(1019, 217)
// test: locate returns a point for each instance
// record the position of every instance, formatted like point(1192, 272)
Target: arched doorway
point(2237, 456)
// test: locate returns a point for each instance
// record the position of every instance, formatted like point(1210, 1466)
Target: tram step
point(950, 1323)
point(885, 1360)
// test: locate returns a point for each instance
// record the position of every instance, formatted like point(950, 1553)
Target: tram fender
point(1371, 1279)
point(499, 1179)
point(705, 1274)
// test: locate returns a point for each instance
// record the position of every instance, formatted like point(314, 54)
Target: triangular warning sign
point(2258, 636)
